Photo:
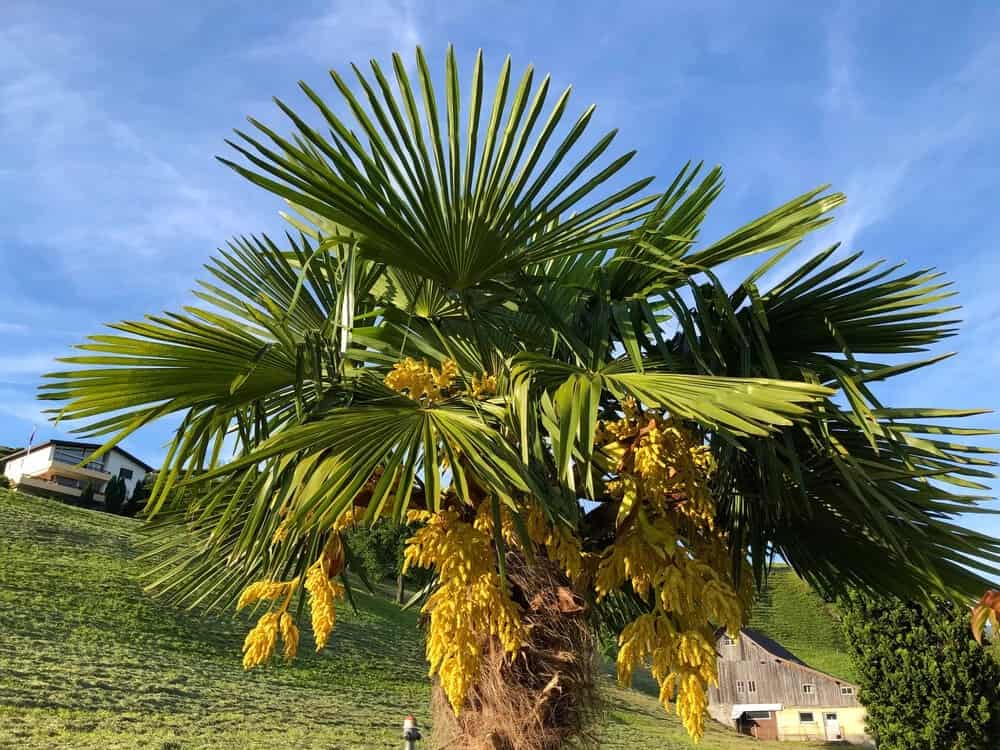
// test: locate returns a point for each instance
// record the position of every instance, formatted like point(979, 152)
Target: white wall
point(35, 461)
point(116, 460)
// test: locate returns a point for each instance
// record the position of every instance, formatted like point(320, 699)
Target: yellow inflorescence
point(420, 381)
point(483, 387)
point(289, 636)
point(668, 550)
point(561, 545)
point(280, 534)
point(324, 590)
point(261, 641)
point(265, 591)
point(258, 646)
point(322, 611)
point(470, 604)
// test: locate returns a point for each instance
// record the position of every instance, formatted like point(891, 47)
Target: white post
point(411, 733)
point(27, 450)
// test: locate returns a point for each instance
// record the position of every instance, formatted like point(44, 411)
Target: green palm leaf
point(456, 219)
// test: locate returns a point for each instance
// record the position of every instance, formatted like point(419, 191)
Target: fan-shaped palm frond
point(454, 204)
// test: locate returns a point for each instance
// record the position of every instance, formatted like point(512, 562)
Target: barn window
point(808, 688)
point(806, 717)
point(741, 686)
point(845, 690)
point(751, 686)
point(758, 714)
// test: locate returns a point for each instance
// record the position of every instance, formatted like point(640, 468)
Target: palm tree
point(483, 329)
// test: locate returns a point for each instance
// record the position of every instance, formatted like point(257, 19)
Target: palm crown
point(468, 320)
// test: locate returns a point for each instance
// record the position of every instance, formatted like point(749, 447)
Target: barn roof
point(772, 647)
point(781, 653)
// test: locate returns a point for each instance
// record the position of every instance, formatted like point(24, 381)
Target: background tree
point(481, 323)
point(378, 550)
point(926, 683)
point(114, 495)
point(87, 494)
point(140, 494)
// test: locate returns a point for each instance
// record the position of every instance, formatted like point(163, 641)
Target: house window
point(808, 689)
point(751, 686)
point(741, 687)
point(758, 714)
point(806, 717)
point(845, 690)
point(125, 473)
point(727, 641)
point(74, 456)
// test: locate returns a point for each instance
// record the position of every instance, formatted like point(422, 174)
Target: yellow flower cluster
point(483, 387)
point(662, 462)
point(561, 545)
point(668, 550)
point(265, 591)
point(289, 636)
point(323, 589)
point(420, 381)
point(682, 662)
point(470, 604)
point(260, 643)
point(322, 612)
point(258, 646)
point(280, 534)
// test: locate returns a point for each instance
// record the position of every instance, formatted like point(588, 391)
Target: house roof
point(76, 444)
point(780, 652)
point(771, 646)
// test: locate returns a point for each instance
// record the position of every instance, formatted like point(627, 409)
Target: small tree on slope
point(926, 683)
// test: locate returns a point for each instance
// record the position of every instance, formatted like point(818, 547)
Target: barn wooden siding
point(778, 680)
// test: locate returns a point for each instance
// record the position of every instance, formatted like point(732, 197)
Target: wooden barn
point(766, 692)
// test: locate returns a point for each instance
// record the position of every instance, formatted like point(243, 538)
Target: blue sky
point(110, 116)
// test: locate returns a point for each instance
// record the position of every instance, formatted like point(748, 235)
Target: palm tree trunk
point(545, 696)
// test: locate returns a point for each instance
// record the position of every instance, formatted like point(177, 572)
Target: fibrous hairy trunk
point(545, 696)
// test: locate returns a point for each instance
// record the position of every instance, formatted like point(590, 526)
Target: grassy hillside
point(790, 612)
point(87, 660)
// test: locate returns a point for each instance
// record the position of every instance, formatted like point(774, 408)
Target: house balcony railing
point(94, 471)
point(53, 487)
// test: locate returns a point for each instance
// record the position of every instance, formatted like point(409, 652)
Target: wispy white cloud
point(347, 32)
point(15, 404)
point(26, 364)
point(86, 185)
point(885, 158)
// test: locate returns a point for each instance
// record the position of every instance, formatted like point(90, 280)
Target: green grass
point(794, 615)
point(87, 660)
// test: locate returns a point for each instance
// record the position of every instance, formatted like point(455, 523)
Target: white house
point(55, 468)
